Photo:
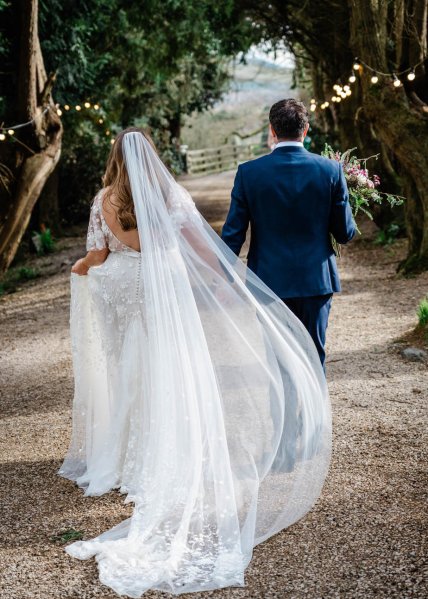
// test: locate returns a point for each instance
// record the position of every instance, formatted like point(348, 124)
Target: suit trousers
point(313, 312)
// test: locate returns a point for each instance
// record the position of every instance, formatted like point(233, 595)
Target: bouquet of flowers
point(361, 185)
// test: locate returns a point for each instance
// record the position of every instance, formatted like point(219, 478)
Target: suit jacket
point(293, 200)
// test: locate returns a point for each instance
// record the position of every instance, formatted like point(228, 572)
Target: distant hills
point(254, 87)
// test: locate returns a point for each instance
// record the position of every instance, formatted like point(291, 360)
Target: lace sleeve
point(96, 239)
point(181, 207)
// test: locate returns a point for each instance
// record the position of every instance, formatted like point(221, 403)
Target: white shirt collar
point(280, 144)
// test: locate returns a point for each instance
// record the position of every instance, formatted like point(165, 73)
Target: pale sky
point(284, 58)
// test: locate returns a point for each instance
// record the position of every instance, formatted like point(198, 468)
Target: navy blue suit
point(293, 200)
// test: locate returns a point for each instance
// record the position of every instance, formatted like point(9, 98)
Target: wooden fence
point(214, 160)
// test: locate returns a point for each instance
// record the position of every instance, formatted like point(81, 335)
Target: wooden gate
point(214, 160)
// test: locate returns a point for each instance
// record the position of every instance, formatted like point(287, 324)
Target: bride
point(198, 394)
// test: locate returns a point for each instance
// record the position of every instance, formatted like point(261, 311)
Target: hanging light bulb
point(101, 121)
point(338, 99)
point(313, 107)
point(374, 79)
point(59, 111)
point(346, 88)
point(2, 136)
point(352, 79)
point(396, 81)
point(336, 87)
point(78, 108)
point(11, 132)
point(112, 141)
point(96, 107)
point(66, 107)
point(411, 75)
point(326, 104)
point(348, 92)
point(87, 105)
point(107, 132)
point(356, 66)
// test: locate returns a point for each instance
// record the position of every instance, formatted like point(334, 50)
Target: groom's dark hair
point(288, 118)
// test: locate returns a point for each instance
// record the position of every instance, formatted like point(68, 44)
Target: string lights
point(79, 107)
point(9, 132)
point(341, 92)
point(409, 72)
point(397, 82)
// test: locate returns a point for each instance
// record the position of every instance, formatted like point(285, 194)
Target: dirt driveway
point(363, 539)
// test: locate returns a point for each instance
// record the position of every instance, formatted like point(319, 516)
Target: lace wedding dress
point(198, 394)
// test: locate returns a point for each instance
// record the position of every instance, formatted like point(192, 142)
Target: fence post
point(183, 154)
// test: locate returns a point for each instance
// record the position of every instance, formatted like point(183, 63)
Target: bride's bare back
point(109, 211)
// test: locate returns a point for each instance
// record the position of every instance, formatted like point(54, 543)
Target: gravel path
point(365, 536)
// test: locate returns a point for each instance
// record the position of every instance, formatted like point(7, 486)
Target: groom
point(293, 199)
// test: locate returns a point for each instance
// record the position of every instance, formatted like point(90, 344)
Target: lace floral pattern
point(99, 234)
point(181, 207)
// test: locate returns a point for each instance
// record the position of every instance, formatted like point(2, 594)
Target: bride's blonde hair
point(116, 181)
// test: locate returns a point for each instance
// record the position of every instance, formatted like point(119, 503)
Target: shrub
point(43, 241)
point(388, 235)
point(14, 276)
point(422, 312)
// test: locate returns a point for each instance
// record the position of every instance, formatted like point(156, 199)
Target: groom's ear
point(305, 132)
point(272, 131)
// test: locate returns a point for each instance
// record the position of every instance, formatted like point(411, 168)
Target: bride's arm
point(92, 258)
point(186, 218)
point(96, 243)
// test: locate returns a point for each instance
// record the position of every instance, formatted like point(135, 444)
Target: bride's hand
point(80, 267)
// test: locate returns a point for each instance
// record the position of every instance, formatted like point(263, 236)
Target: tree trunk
point(47, 208)
point(174, 128)
point(37, 147)
point(399, 124)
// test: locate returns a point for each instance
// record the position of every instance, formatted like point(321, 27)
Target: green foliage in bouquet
point(362, 185)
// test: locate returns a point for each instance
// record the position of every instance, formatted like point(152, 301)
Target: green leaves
point(422, 312)
point(68, 535)
point(362, 186)
point(146, 63)
point(43, 241)
point(132, 56)
point(14, 277)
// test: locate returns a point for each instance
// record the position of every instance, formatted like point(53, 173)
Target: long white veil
point(233, 419)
